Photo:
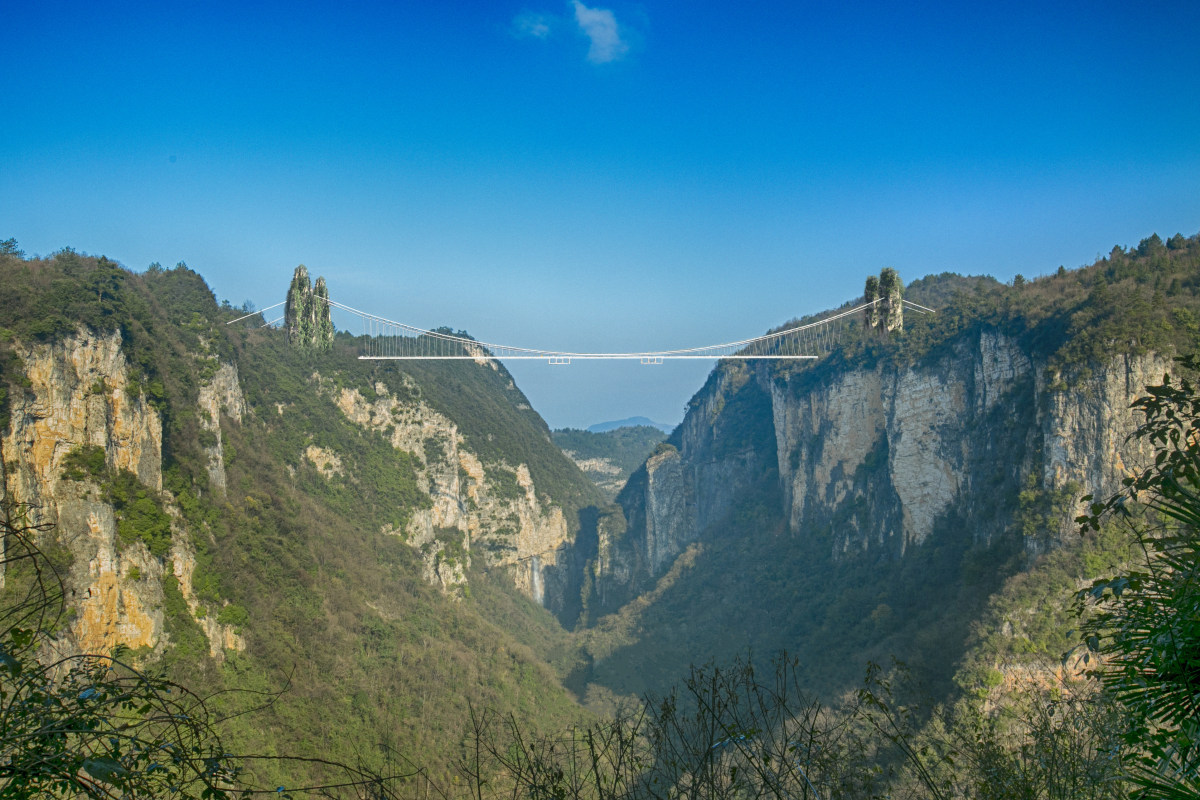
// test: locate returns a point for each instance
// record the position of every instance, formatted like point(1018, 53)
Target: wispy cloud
point(537, 26)
point(607, 40)
point(600, 26)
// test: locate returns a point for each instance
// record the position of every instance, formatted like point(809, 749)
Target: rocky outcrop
point(117, 591)
point(688, 487)
point(1087, 422)
point(221, 637)
point(879, 457)
point(910, 436)
point(80, 394)
point(980, 416)
point(489, 511)
point(327, 462)
point(306, 315)
point(222, 394)
point(607, 476)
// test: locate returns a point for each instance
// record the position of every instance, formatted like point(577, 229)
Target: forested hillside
point(882, 496)
point(255, 523)
point(405, 555)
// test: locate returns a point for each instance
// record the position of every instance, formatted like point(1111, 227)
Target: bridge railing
point(386, 339)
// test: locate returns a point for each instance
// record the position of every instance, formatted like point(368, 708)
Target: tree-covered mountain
point(398, 545)
point(246, 514)
point(628, 422)
point(873, 503)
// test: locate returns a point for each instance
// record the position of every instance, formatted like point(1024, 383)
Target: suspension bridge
point(387, 340)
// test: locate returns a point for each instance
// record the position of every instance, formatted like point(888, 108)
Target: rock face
point(221, 394)
point(692, 483)
point(306, 315)
point(1086, 428)
point(601, 471)
point(79, 393)
point(489, 511)
point(877, 457)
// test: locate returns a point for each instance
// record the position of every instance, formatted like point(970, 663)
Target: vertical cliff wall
point(79, 395)
point(874, 457)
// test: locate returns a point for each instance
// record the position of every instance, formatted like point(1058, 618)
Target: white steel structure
point(388, 340)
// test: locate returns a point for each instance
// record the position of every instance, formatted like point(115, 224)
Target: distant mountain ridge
point(629, 422)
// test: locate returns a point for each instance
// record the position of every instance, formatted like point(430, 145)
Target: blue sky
point(616, 176)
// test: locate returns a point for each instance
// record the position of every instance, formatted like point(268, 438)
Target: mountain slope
point(609, 457)
point(869, 504)
point(628, 422)
point(248, 516)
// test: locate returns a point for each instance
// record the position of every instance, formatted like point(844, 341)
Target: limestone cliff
point(607, 476)
point(489, 511)
point(79, 393)
point(946, 431)
point(877, 456)
point(222, 394)
point(203, 486)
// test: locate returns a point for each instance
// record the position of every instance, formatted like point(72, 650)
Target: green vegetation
point(498, 425)
point(320, 585)
point(95, 725)
point(886, 313)
point(84, 462)
point(89, 725)
point(140, 514)
point(374, 661)
point(1145, 620)
point(1125, 728)
point(723, 731)
point(933, 597)
point(626, 448)
point(1135, 300)
point(139, 510)
point(622, 450)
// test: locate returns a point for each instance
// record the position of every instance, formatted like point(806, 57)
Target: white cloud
point(599, 25)
point(538, 26)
